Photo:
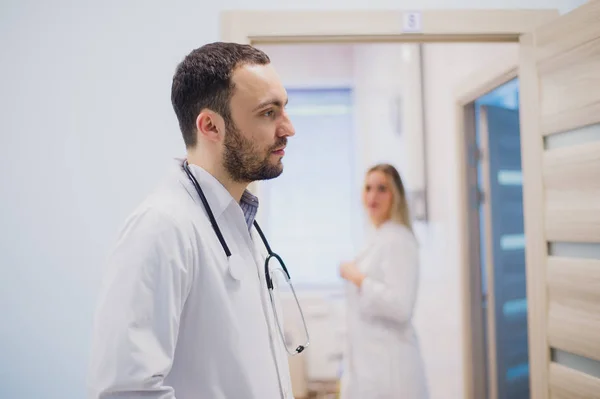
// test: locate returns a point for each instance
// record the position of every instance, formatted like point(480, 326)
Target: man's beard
point(246, 163)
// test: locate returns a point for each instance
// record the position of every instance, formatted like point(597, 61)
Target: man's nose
point(287, 127)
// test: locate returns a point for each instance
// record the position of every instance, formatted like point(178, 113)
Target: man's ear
point(210, 125)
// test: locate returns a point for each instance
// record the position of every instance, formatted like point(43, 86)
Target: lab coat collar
point(216, 194)
point(374, 233)
point(387, 224)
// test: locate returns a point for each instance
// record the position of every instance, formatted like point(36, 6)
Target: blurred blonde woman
point(383, 359)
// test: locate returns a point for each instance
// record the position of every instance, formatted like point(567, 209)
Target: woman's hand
point(349, 271)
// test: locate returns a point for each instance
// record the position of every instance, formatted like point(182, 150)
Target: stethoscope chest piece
point(236, 267)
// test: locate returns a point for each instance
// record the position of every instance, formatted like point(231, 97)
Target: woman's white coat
point(383, 359)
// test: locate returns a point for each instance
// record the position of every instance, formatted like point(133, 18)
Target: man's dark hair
point(203, 81)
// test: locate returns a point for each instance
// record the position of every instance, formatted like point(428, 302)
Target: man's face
point(257, 134)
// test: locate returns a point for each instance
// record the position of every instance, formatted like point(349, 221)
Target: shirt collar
point(216, 194)
point(219, 198)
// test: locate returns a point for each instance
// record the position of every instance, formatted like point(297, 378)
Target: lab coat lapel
point(368, 256)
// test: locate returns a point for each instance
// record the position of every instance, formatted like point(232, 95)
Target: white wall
point(378, 83)
point(301, 66)
point(445, 67)
point(86, 131)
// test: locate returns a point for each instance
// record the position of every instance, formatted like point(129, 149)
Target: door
point(560, 125)
point(504, 253)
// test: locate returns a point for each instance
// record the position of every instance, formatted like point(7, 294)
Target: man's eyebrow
point(264, 104)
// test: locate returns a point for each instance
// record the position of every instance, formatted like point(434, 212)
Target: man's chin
point(272, 172)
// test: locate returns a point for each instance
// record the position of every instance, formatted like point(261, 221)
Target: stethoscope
point(272, 255)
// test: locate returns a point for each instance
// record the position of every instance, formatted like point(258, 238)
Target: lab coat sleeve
point(138, 316)
point(393, 295)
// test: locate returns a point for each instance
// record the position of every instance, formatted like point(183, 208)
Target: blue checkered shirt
point(249, 205)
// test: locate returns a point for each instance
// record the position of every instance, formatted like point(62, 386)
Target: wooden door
point(560, 140)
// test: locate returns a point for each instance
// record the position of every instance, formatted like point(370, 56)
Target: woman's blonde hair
point(400, 212)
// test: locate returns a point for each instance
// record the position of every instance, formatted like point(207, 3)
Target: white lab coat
point(176, 319)
point(383, 359)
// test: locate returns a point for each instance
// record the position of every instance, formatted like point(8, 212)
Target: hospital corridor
point(413, 212)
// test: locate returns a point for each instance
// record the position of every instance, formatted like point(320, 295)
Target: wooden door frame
point(490, 321)
point(295, 27)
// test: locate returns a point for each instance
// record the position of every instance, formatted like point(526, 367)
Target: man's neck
point(234, 188)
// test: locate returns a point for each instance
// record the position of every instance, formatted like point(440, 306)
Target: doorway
point(366, 94)
point(499, 232)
